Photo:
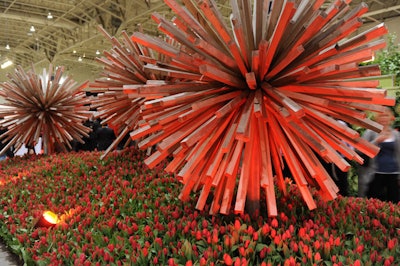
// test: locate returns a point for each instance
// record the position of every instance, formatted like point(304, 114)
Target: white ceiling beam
point(38, 20)
point(382, 10)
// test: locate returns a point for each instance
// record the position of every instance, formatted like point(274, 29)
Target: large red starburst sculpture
point(236, 101)
point(51, 106)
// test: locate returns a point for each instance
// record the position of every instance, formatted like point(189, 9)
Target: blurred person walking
point(379, 178)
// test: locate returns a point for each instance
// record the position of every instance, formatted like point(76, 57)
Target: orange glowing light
point(47, 219)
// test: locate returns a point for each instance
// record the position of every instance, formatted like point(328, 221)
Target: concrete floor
point(7, 258)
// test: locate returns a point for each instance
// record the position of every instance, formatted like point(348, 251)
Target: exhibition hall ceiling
point(65, 31)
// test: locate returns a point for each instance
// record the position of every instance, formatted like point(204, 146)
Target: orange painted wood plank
point(178, 135)
point(228, 195)
point(154, 43)
point(283, 100)
point(277, 34)
point(216, 20)
point(214, 127)
point(330, 122)
point(362, 71)
point(273, 18)
point(224, 77)
point(193, 113)
point(205, 191)
point(242, 131)
point(336, 140)
point(215, 100)
point(255, 64)
point(178, 160)
point(281, 64)
point(231, 169)
point(294, 166)
point(219, 181)
point(265, 152)
point(259, 19)
point(258, 104)
point(249, 27)
point(155, 138)
point(172, 73)
point(262, 54)
point(218, 196)
point(240, 38)
point(158, 156)
point(307, 135)
point(276, 159)
point(190, 182)
point(165, 88)
point(363, 37)
point(245, 175)
point(351, 83)
point(180, 98)
point(145, 130)
point(235, 103)
point(304, 190)
point(190, 13)
point(335, 91)
point(219, 55)
point(250, 199)
point(187, 40)
point(316, 20)
point(347, 57)
point(251, 80)
point(381, 101)
point(302, 97)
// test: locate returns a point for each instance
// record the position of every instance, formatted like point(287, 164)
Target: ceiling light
point(32, 29)
point(8, 47)
point(6, 64)
point(49, 16)
point(74, 51)
point(80, 59)
point(97, 52)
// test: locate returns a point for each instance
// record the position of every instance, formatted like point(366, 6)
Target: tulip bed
point(118, 212)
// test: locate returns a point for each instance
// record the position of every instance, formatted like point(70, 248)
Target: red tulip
point(227, 259)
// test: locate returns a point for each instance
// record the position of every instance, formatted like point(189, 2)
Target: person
point(9, 153)
point(104, 137)
point(380, 177)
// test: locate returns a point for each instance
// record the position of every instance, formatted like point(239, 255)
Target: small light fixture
point(97, 52)
point(6, 64)
point(47, 219)
point(80, 59)
point(8, 46)
point(32, 29)
point(49, 16)
point(74, 51)
point(84, 55)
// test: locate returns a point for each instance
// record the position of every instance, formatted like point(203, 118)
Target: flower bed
point(116, 211)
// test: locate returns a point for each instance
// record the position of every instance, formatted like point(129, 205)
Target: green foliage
point(389, 59)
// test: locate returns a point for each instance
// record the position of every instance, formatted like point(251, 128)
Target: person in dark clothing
point(90, 141)
point(381, 175)
point(104, 137)
point(10, 151)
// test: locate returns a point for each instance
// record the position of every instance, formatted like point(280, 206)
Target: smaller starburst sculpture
point(123, 65)
point(50, 106)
